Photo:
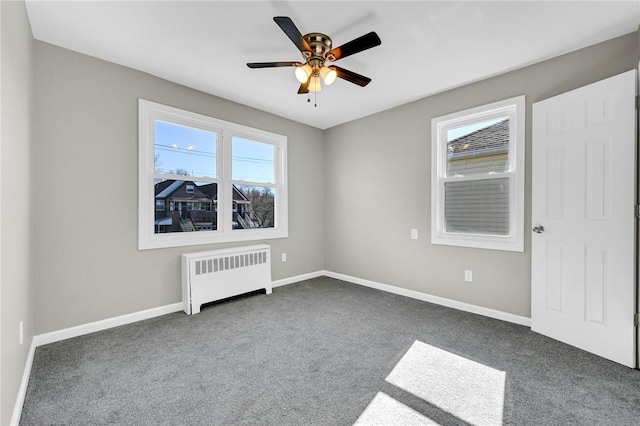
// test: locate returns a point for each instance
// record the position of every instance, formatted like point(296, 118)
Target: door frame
point(637, 223)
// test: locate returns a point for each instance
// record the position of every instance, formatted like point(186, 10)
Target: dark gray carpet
point(312, 353)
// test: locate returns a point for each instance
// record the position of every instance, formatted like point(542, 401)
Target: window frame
point(148, 112)
point(514, 108)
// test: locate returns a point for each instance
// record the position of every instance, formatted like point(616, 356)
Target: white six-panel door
point(583, 237)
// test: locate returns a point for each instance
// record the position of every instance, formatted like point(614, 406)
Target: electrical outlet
point(468, 276)
point(414, 234)
point(284, 257)
point(21, 332)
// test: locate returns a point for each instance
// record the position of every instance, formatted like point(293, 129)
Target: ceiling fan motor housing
point(320, 44)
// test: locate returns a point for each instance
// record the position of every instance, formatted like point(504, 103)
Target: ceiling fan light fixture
point(303, 72)
point(314, 84)
point(316, 49)
point(328, 75)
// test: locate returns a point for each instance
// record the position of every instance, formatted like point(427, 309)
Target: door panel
point(583, 263)
point(555, 277)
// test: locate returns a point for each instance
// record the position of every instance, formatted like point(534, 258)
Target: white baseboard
point(297, 278)
point(450, 303)
point(22, 391)
point(67, 333)
point(80, 330)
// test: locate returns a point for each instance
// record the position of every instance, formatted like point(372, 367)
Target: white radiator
point(213, 275)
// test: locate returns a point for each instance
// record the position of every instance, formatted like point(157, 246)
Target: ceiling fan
point(316, 49)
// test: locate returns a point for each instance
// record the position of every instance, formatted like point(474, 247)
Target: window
point(477, 177)
point(254, 179)
point(223, 182)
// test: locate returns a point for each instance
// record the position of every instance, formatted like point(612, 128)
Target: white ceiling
point(427, 47)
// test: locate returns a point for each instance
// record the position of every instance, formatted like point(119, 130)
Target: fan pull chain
point(315, 98)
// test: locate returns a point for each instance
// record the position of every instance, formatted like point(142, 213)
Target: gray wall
point(378, 186)
point(17, 293)
point(85, 175)
point(69, 190)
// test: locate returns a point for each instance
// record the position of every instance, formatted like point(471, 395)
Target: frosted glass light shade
point(314, 84)
point(303, 73)
point(328, 75)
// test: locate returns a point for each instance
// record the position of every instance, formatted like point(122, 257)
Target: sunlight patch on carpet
point(463, 388)
point(384, 411)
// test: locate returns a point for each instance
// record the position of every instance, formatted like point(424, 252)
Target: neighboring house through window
point(210, 181)
point(477, 197)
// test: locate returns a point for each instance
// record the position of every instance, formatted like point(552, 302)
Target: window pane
point(187, 206)
point(183, 150)
point(478, 148)
point(252, 161)
point(253, 207)
point(477, 207)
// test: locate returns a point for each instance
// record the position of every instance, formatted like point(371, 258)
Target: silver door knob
point(539, 229)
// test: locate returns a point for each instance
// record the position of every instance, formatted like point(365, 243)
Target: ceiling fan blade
point(286, 24)
point(359, 44)
point(304, 87)
point(272, 64)
point(351, 76)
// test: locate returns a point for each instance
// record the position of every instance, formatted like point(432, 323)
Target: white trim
point(22, 391)
point(298, 278)
point(148, 112)
point(1, 364)
point(80, 330)
point(514, 108)
point(449, 303)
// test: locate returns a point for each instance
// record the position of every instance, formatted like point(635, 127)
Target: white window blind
point(477, 206)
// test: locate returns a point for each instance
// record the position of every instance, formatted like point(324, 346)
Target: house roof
point(163, 221)
point(238, 196)
point(210, 189)
point(165, 188)
point(493, 139)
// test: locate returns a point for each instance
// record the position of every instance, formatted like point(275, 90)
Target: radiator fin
point(220, 264)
